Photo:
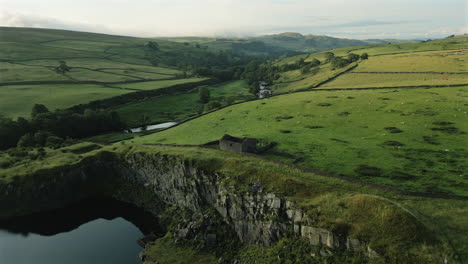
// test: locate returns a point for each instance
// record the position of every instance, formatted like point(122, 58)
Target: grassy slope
point(450, 57)
point(329, 202)
point(32, 54)
point(353, 132)
point(18, 100)
point(180, 106)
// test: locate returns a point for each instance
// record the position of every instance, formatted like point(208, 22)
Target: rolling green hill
point(435, 63)
point(99, 66)
point(413, 140)
point(279, 45)
point(316, 43)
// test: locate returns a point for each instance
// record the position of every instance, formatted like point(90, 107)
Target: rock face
point(256, 216)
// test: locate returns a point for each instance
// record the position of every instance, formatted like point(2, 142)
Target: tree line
point(52, 129)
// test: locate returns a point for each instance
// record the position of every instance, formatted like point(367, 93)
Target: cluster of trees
point(204, 97)
point(340, 62)
point(51, 129)
point(62, 68)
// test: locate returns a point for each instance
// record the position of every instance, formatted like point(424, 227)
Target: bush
point(27, 141)
point(54, 142)
point(212, 105)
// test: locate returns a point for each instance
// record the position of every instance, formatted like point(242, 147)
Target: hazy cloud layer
point(344, 18)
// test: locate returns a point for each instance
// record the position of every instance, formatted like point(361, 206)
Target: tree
point(306, 69)
point(62, 68)
point(353, 57)
point(364, 56)
point(338, 62)
point(38, 109)
point(329, 56)
point(27, 141)
point(204, 95)
point(212, 105)
point(315, 62)
point(153, 45)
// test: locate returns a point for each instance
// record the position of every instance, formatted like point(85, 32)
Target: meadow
point(29, 58)
point(411, 64)
point(17, 100)
point(377, 136)
point(366, 80)
point(178, 107)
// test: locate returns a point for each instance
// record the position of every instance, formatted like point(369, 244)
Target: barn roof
point(232, 139)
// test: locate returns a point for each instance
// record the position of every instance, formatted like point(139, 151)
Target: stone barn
point(238, 145)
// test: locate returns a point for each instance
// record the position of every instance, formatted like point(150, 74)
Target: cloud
point(22, 20)
point(151, 18)
point(367, 23)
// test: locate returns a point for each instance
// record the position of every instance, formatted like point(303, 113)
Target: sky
point(366, 19)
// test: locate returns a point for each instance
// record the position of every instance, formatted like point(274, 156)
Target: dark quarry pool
point(95, 231)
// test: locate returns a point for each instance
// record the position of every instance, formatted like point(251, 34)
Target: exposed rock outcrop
point(256, 215)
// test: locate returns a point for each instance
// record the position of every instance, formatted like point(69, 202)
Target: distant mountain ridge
point(314, 43)
point(283, 44)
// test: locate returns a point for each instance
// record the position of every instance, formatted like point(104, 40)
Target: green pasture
point(82, 45)
point(153, 85)
point(365, 80)
point(294, 80)
point(430, 61)
point(415, 138)
point(179, 106)
point(10, 72)
point(17, 100)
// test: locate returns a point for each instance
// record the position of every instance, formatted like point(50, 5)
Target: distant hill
point(316, 43)
point(281, 45)
point(100, 66)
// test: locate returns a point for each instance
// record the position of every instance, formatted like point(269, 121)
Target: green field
point(339, 131)
point(153, 85)
point(29, 57)
point(180, 106)
point(365, 80)
point(400, 59)
point(17, 100)
point(431, 61)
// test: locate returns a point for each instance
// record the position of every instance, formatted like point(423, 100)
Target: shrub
point(285, 131)
point(27, 141)
point(212, 105)
point(324, 104)
point(54, 142)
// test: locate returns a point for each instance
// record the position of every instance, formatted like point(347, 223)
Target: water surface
point(91, 232)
